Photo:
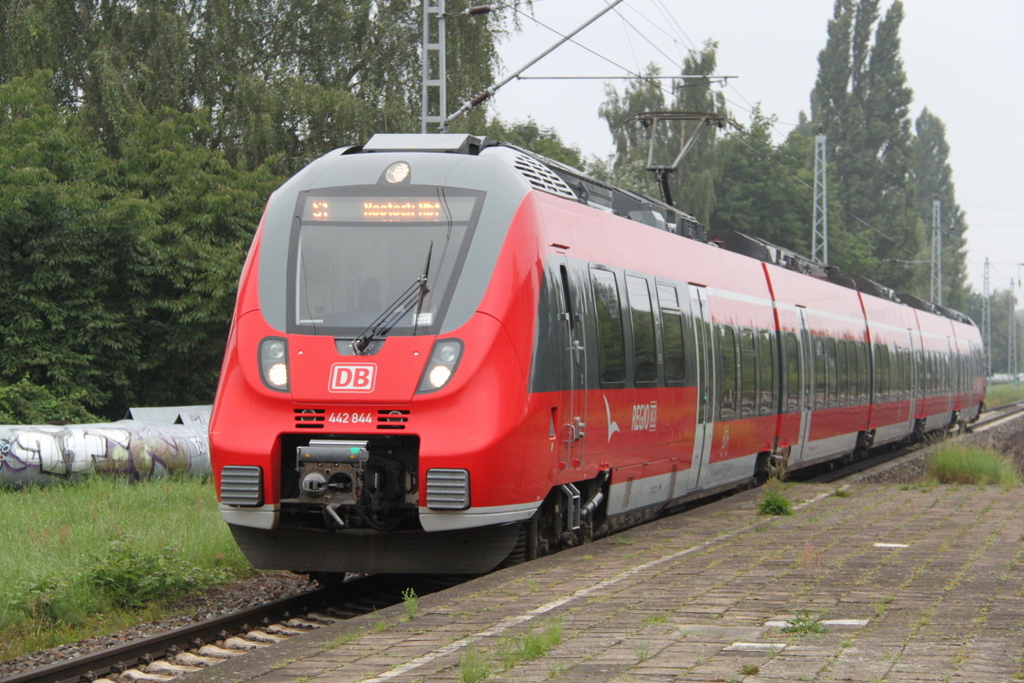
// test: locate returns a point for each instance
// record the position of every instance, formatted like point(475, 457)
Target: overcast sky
point(964, 61)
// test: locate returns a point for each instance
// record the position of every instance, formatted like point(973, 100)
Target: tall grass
point(1001, 394)
point(104, 554)
point(953, 464)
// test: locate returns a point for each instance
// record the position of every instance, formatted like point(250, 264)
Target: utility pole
point(986, 323)
point(819, 238)
point(937, 251)
point(1011, 361)
point(434, 68)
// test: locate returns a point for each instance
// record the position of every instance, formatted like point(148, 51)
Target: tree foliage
point(120, 273)
point(698, 172)
point(139, 140)
point(861, 101)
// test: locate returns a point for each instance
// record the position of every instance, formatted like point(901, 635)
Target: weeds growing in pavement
point(774, 502)
point(473, 666)
point(411, 602)
point(530, 645)
point(803, 622)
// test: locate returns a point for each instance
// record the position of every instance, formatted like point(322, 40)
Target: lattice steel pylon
point(1011, 360)
point(937, 251)
point(986, 322)
point(819, 238)
point(434, 68)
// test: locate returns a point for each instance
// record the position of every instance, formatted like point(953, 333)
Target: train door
point(573, 418)
point(806, 365)
point(705, 386)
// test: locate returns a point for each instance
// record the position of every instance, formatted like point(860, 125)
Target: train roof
point(553, 177)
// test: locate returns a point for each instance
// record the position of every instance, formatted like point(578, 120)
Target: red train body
point(446, 352)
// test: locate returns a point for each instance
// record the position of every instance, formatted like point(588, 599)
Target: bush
point(25, 403)
point(953, 464)
point(131, 577)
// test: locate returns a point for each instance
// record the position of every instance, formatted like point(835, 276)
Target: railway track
point(989, 419)
point(164, 657)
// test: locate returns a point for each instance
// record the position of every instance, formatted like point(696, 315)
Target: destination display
point(388, 209)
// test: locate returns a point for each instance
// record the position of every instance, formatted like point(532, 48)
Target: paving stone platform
point(912, 584)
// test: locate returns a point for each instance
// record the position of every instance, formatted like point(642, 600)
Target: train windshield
point(356, 251)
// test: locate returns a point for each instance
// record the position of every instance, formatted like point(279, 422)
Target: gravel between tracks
point(270, 586)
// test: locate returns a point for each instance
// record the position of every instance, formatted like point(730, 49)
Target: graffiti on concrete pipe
point(155, 443)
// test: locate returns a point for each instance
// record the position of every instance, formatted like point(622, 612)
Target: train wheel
point(778, 464)
point(332, 581)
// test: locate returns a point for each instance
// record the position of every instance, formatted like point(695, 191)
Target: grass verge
point(104, 554)
point(954, 464)
point(1001, 394)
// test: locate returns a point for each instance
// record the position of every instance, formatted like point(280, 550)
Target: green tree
point(692, 185)
point(764, 190)
point(119, 274)
point(69, 279)
point(861, 99)
point(934, 178)
point(540, 139)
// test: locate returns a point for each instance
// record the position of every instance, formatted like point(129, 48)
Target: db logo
point(352, 377)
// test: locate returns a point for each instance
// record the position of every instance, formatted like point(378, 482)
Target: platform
point(912, 584)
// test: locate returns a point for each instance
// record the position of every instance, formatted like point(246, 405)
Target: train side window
point(727, 390)
point(819, 374)
point(843, 371)
point(882, 376)
point(645, 351)
point(611, 347)
point(766, 359)
point(833, 375)
point(748, 373)
point(854, 370)
point(865, 370)
point(794, 374)
point(672, 329)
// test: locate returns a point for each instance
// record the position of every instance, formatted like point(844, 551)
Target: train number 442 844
point(351, 418)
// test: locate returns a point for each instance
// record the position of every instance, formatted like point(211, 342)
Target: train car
point(449, 353)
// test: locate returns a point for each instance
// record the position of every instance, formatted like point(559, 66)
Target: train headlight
point(274, 363)
point(444, 359)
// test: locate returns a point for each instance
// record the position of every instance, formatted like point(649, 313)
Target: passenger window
point(819, 374)
point(854, 373)
point(611, 348)
point(672, 329)
point(843, 370)
point(833, 377)
point(645, 352)
point(794, 376)
point(865, 370)
point(748, 373)
point(882, 376)
point(727, 391)
point(766, 372)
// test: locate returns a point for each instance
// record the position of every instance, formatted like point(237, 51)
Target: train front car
point(370, 386)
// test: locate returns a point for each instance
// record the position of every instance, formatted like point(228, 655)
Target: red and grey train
point(447, 352)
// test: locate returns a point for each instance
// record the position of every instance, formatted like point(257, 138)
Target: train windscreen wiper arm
point(380, 327)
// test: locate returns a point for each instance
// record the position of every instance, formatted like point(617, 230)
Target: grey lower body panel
point(464, 551)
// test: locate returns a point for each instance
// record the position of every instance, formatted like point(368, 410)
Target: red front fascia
point(475, 422)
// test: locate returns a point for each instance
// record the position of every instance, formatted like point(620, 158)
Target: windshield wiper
point(380, 327)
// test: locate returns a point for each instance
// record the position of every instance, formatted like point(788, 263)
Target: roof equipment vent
point(541, 177)
point(411, 142)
